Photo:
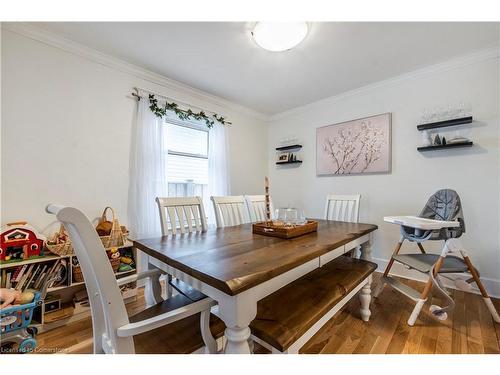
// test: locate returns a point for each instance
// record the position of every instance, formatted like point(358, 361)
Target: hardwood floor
point(468, 329)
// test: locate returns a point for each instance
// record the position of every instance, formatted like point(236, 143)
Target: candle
point(268, 205)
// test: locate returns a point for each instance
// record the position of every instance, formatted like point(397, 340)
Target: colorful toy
point(9, 297)
point(114, 253)
point(15, 321)
point(20, 241)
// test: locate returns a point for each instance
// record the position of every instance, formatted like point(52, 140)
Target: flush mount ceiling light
point(279, 36)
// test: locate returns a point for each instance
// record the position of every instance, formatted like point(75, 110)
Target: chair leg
point(421, 247)
point(425, 293)
point(416, 311)
point(380, 286)
point(391, 261)
point(482, 289)
point(206, 334)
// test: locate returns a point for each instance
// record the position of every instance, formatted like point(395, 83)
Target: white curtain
point(218, 166)
point(147, 172)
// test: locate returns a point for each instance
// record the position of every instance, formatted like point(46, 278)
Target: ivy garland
point(184, 114)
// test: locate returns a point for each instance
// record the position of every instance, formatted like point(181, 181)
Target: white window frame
point(192, 125)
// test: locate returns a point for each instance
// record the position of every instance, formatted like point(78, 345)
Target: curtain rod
point(139, 97)
point(218, 118)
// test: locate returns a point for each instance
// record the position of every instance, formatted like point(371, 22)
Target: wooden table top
point(233, 259)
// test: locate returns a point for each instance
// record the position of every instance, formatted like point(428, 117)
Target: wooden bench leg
point(365, 298)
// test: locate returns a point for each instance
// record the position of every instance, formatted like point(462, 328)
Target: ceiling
point(222, 59)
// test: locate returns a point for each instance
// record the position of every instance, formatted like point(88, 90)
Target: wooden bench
point(289, 317)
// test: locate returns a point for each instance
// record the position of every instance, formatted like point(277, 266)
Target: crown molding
point(36, 33)
point(54, 40)
point(458, 62)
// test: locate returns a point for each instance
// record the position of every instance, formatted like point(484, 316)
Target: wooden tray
point(268, 229)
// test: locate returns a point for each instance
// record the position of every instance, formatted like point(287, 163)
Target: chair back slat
point(197, 220)
point(172, 219)
point(257, 207)
point(189, 218)
point(181, 215)
point(106, 302)
point(342, 208)
point(230, 211)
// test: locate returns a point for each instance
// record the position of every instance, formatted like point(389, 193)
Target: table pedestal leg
point(366, 250)
point(152, 291)
point(365, 293)
point(237, 312)
point(237, 340)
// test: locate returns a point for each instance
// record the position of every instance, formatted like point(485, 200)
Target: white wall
point(66, 124)
point(473, 173)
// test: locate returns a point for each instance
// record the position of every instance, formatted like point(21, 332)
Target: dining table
point(237, 268)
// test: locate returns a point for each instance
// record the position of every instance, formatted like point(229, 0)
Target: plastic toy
point(14, 325)
point(20, 241)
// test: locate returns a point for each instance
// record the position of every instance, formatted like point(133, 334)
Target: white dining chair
point(257, 207)
point(182, 215)
point(230, 211)
point(176, 324)
point(342, 208)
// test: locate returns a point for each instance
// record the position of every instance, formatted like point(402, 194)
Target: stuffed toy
point(10, 297)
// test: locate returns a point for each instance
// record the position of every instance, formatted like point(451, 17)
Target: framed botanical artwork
point(359, 146)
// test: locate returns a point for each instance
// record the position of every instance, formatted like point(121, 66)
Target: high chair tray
point(420, 222)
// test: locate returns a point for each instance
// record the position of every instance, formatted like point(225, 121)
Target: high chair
point(175, 325)
point(440, 220)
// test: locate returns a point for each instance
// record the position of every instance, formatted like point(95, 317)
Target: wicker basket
point(115, 264)
point(77, 274)
point(115, 237)
point(62, 244)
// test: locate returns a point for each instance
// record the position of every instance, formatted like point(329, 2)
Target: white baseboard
point(491, 285)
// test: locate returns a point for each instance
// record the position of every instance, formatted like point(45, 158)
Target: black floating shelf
point(446, 123)
point(288, 162)
point(291, 147)
point(442, 147)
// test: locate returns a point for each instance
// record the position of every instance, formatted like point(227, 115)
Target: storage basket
point(115, 237)
point(115, 264)
point(61, 243)
point(77, 274)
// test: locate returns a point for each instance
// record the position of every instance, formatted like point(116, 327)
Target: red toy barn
point(20, 241)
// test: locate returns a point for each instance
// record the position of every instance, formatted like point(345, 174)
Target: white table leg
point(365, 293)
point(169, 288)
point(365, 298)
point(152, 290)
point(366, 250)
point(237, 312)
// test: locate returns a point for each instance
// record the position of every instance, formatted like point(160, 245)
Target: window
point(187, 159)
